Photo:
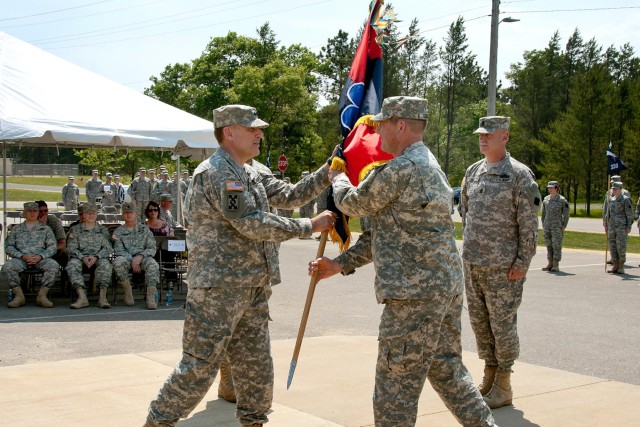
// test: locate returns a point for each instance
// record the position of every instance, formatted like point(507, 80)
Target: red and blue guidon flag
point(361, 98)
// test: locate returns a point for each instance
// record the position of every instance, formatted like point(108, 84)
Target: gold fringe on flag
point(335, 237)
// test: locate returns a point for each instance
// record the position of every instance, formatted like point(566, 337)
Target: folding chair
point(173, 260)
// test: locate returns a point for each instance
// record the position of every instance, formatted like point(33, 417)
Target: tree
point(335, 61)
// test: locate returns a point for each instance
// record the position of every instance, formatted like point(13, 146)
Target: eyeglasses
point(152, 210)
point(43, 210)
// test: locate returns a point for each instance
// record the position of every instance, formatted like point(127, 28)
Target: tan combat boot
point(225, 389)
point(151, 298)
point(614, 269)
point(501, 393)
point(42, 299)
point(487, 380)
point(549, 265)
point(18, 298)
point(82, 299)
point(556, 266)
point(620, 268)
point(128, 293)
point(102, 300)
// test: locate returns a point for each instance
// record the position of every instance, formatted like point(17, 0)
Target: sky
point(129, 41)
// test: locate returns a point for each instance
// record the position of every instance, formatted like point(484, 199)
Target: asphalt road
point(580, 320)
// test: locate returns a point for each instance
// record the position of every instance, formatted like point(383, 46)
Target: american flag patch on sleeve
point(234, 186)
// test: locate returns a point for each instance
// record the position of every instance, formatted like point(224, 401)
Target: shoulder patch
point(533, 192)
point(234, 186)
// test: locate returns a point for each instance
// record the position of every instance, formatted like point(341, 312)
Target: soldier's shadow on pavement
point(217, 413)
point(561, 273)
point(512, 417)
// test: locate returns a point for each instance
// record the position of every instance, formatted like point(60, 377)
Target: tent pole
point(179, 201)
point(4, 189)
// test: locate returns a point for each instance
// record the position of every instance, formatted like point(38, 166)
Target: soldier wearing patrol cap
point(165, 209)
point(92, 187)
point(134, 248)
point(140, 192)
point(555, 217)
point(419, 275)
point(607, 197)
point(619, 219)
point(108, 191)
point(232, 260)
point(30, 244)
point(499, 205)
point(70, 195)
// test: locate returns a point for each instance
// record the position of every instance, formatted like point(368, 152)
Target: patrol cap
point(492, 123)
point(94, 171)
point(305, 173)
point(89, 207)
point(236, 114)
point(30, 206)
point(109, 174)
point(142, 170)
point(183, 172)
point(81, 208)
point(128, 207)
point(553, 184)
point(616, 178)
point(406, 107)
point(616, 184)
point(166, 198)
point(71, 177)
point(116, 176)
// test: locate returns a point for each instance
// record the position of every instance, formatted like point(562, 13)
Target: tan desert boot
point(151, 298)
point(556, 266)
point(128, 293)
point(501, 393)
point(487, 380)
point(225, 389)
point(102, 300)
point(18, 298)
point(620, 268)
point(82, 299)
point(549, 265)
point(614, 269)
point(42, 299)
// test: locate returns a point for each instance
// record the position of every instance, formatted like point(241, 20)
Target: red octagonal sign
point(282, 163)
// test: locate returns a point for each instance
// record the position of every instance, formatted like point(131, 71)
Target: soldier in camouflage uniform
point(109, 192)
point(306, 211)
point(185, 178)
point(555, 217)
point(619, 217)
point(287, 213)
point(419, 275)
point(140, 192)
point(172, 188)
point(232, 258)
point(62, 254)
point(90, 246)
point(70, 195)
point(153, 180)
point(134, 249)
point(161, 187)
point(30, 245)
point(92, 187)
point(165, 209)
point(499, 204)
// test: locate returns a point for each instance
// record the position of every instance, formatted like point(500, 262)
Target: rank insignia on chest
point(234, 186)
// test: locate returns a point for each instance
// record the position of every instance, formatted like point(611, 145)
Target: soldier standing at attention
point(134, 248)
point(108, 191)
point(70, 195)
point(89, 246)
point(30, 244)
point(555, 217)
point(419, 275)
point(140, 191)
point(185, 178)
point(92, 187)
point(619, 219)
point(499, 208)
point(232, 259)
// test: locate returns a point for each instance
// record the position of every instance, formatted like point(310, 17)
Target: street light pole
point(493, 56)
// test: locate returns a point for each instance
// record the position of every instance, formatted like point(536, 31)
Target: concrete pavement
point(332, 386)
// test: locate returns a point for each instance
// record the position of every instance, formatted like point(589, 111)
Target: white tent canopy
point(47, 101)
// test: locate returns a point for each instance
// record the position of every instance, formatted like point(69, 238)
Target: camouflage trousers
point(103, 270)
point(122, 266)
point(234, 320)
point(420, 340)
point(70, 204)
point(493, 310)
point(553, 239)
point(617, 244)
point(14, 266)
point(306, 211)
point(141, 206)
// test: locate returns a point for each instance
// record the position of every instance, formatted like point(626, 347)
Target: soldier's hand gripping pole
point(307, 308)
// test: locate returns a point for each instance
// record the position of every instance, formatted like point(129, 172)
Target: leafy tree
point(335, 59)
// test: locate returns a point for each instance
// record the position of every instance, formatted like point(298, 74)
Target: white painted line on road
point(572, 266)
point(111, 313)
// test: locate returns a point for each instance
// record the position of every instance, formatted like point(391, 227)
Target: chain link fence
point(19, 169)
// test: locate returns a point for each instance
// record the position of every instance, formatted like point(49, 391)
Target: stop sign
point(282, 163)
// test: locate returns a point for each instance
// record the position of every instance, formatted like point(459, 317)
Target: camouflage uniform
point(110, 197)
point(85, 242)
point(321, 201)
point(26, 240)
point(306, 211)
point(140, 191)
point(159, 189)
point(92, 189)
point(172, 188)
point(499, 205)
point(129, 242)
point(619, 218)
point(232, 242)
point(419, 278)
point(555, 217)
point(70, 197)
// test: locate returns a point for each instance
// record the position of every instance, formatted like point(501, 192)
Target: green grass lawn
point(55, 181)
point(14, 195)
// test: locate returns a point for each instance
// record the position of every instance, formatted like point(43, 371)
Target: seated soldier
point(134, 248)
point(30, 244)
point(62, 255)
point(165, 209)
point(89, 246)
